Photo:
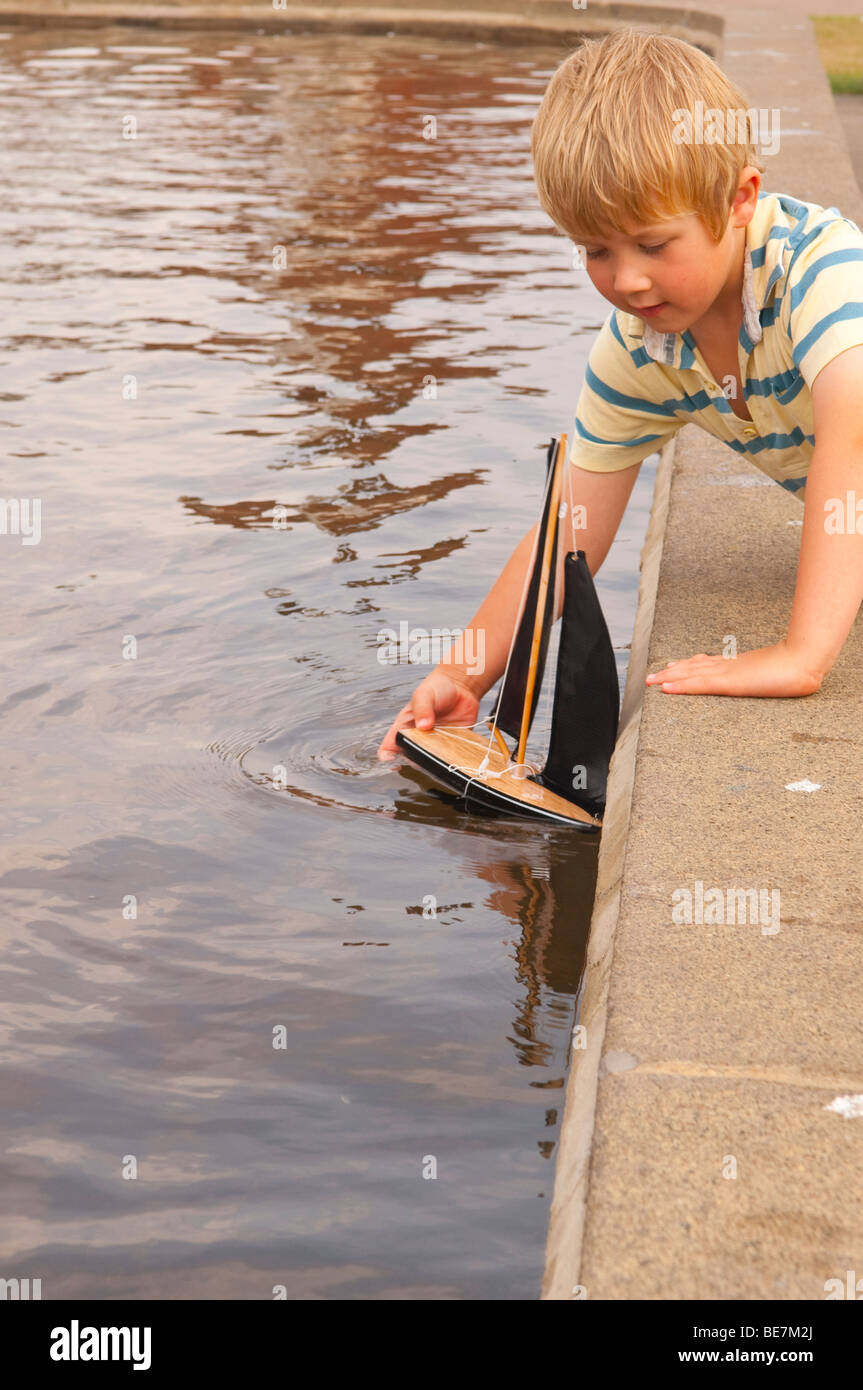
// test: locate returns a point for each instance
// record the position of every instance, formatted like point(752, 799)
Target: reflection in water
point(549, 953)
point(361, 504)
point(282, 373)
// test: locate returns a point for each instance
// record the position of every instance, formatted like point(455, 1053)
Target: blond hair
point(605, 154)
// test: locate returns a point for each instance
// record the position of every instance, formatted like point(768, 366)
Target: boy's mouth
point(651, 309)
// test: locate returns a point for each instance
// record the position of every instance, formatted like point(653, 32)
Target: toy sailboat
point(569, 789)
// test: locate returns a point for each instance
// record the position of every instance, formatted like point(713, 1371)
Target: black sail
point(586, 695)
point(512, 695)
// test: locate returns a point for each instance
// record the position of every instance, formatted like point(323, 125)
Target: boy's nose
point(629, 281)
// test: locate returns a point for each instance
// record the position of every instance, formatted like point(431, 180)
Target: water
point(220, 968)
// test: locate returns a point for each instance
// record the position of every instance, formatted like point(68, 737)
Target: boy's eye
point(651, 250)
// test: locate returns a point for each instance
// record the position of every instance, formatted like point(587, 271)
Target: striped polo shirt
point(802, 306)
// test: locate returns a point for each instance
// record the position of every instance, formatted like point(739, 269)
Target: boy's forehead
point(633, 233)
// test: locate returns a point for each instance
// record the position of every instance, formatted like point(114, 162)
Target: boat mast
point(548, 555)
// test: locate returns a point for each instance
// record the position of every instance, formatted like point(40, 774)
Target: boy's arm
point(829, 586)
point(604, 497)
point(622, 416)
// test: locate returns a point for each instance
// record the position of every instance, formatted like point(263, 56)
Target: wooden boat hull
point(453, 755)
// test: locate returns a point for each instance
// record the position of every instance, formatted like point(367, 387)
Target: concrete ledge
point(719, 1041)
point(707, 1044)
point(569, 1202)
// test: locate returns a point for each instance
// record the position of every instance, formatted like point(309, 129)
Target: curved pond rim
point(483, 22)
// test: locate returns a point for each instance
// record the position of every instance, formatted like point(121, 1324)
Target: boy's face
point(676, 265)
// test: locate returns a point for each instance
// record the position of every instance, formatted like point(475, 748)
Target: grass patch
point(840, 43)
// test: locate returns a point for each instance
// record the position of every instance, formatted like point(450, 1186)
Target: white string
point(571, 508)
point(525, 586)
point(483, 767)
point(560, 585)
point(543, 722)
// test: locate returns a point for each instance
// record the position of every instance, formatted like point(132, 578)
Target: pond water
point(247, 280)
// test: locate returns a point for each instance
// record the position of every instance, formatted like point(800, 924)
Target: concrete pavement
point(699, 1158)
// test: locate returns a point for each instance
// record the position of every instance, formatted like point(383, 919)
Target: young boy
point(735, 310)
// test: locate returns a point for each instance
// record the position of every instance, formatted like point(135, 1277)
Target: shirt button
point(749, 430)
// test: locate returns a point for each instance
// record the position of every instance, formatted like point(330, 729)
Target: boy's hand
point(437, 699)
point(773, 671)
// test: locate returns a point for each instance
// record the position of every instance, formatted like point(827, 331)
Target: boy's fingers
point(423, 710)
point(420, 713)
point(695, 685)
point(689, 663)
point(388, 746)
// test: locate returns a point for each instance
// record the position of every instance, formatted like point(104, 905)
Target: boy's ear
point(745, 200)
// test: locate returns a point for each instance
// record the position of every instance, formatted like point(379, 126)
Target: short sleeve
point(623, 412)
point(824, 289)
